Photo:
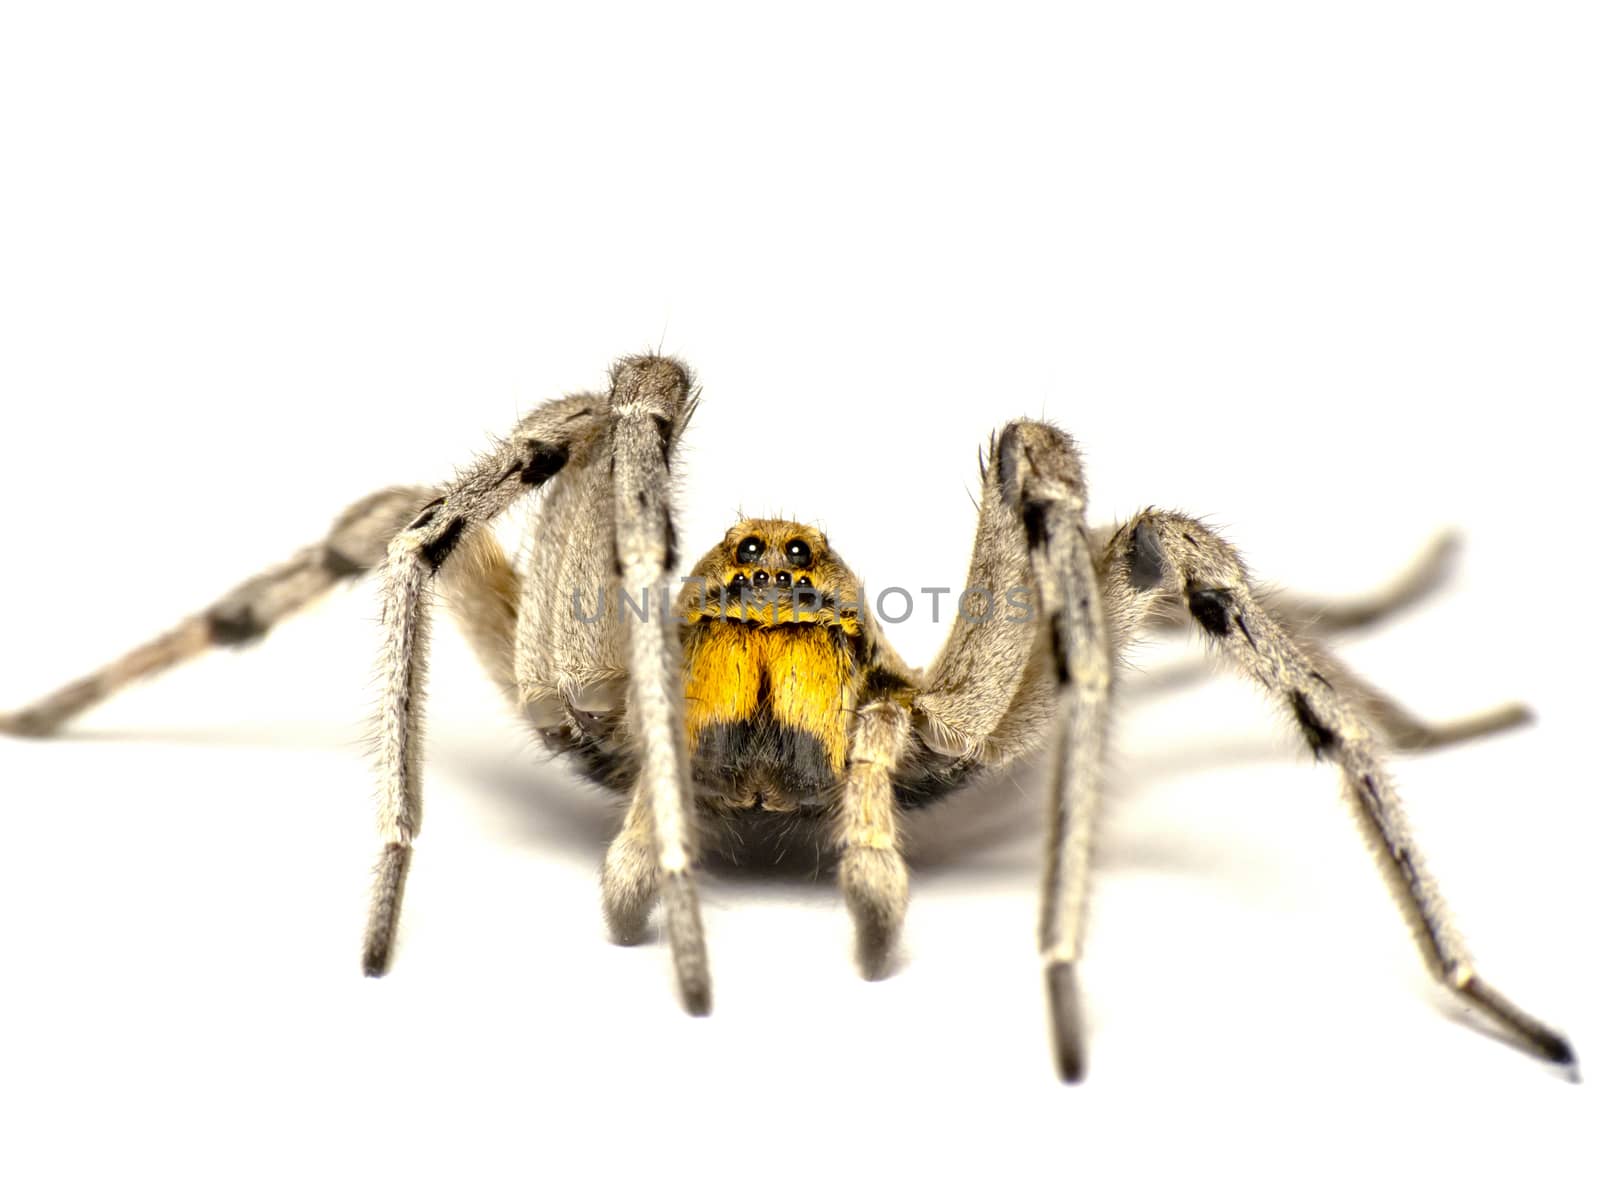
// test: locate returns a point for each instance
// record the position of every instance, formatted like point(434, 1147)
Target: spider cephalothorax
point(768, 688)
point(774, 659)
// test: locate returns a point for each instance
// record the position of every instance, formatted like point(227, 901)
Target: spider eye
point(751, 549)
point(798, 553)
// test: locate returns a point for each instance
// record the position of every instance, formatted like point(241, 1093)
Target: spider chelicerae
point(767, 687)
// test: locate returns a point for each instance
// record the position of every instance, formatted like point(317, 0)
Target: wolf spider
point(770, 688)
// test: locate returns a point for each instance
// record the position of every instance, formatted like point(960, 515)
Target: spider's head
point(773, 573)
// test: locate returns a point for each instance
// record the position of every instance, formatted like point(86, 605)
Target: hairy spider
point(767, 687)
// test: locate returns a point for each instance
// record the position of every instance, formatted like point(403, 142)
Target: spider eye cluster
point(751, 549)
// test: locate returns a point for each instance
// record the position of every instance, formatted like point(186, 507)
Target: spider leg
point(651, 398)
point(1421, 578)
point(1309, 619)
point(630, 879)
point(482, 591)
point(872, 872)
point(1041, 474)
point(606, 522)
point(1426, 574)
point(1160, 556)
point(536, 451)
point(990, 695)
point(1002, 686)
point(353, 545)
point(1399, 728)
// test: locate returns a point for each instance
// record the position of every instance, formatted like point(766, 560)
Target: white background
point(1327, 279)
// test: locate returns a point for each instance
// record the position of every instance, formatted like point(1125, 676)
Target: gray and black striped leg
point(353, 546)
point(1042, 479)
point(1160, 556)
point(1323, 615)
point(650, 400)
point(537, 450)
point(1308, 619)
point(1400, 728)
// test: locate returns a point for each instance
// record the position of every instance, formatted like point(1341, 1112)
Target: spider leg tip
point(875, 960)
point(1066, 1021)
point(26, 723)
point(1556, 1049)
point(687, 938)
point(1070, 1068)
point(697, 996)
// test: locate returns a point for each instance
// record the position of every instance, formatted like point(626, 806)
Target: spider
point(767, 686)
